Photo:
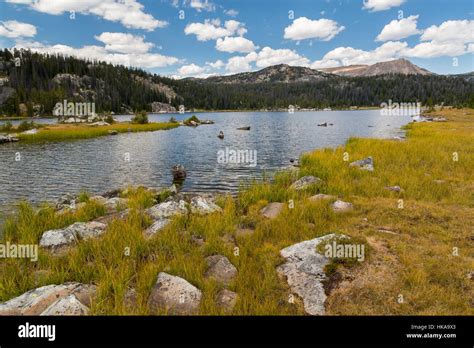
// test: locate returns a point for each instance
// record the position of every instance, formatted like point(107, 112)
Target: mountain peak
point(396, 66)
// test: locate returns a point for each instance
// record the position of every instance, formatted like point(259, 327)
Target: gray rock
point(115, 203)
point(30, 131)
point(304, 182)
point(226, 300)
point(179, 173)
point(79, 230)
point(66, 306)
point(272, 210)
point(157, 226)
point(364, 164)
point(304, 272)
point(112, 132)
point(36, 301)
point(175, 295)
point(220, 269)
point(201, 206)
point(341, 206)
point(167, 209)
point(320, 196)
point(394, 188)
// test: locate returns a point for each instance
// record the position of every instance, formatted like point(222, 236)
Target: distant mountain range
point(286, 73)
point(40, 81)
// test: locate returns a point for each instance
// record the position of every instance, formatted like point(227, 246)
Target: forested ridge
point(42, 80)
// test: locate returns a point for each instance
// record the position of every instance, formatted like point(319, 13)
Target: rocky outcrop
point(272, 210)
point(59, 238)
point(364, 164)
point(8, 139)
point(304, 272)
point(162, 108)
point(167, 209)
point(220, 269)
point(46, 300)
point(304, 182)
point(203, 206)
point(174, 295)
point(69, 305)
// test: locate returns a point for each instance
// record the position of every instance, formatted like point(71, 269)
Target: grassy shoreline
point(412, 235)
point(71, 132)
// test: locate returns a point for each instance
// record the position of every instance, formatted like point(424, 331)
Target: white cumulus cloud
point(14, 29)
point(399, 29)
point(381, 5)
point(128, 12)
point(305, 28)
point(235, 44)
point(212, 29)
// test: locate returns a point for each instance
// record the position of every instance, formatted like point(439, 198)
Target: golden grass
point(71, 132)
point(415, 260)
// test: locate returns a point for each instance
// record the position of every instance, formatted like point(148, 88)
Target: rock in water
point(220, 269)
point(364, 164)
point(69, 305)
point(304, 272)
point(179, 173)
point(244, 128)
point(174, 295)
point(221, 135)
point(304, 182)
point(272, 210)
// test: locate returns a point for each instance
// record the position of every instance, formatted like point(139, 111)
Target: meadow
point(419, 258)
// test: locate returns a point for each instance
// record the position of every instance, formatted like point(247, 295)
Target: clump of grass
point(140, 118)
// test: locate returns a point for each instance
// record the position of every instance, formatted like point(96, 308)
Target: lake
point(47, 171)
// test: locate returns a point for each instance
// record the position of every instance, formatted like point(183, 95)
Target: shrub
point(140, 118)
point(109, 119)
point(25, 125)
point(173, 120)
point(7, 127)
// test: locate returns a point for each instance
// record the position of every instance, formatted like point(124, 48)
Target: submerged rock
point(244, 128)
point(304, 182)
point(38, 301)
point(175, 295)
point(79, 230)
point(364, 164)
point(221, 135)
point(179, 173)
point(272, 210)
point(220, 269)
point(304, 272)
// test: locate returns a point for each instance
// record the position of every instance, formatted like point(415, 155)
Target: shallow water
point(47, 171)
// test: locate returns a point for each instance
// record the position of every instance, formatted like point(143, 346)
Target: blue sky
point(205, 37)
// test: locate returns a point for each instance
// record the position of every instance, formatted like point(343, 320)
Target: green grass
point(417, 262)
point(71, 132)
